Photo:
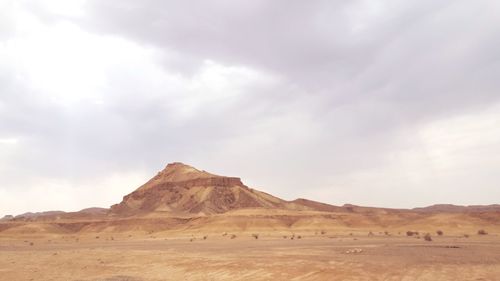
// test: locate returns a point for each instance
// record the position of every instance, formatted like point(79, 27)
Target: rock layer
point(182, 189)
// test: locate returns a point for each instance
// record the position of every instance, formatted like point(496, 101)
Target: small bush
point(323, 232)
point(233, 236)
point(97, 237)
point(285, 237)
point(370, 233)
point(427, 237)
point(205, 237)
point(256, 236)
point(439, 232)
point(386, 233)
point(466, 235)
point(410, 233)
point(31, 244)
point(482, 232)
point(299, 237)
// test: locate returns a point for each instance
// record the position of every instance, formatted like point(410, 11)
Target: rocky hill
point(181, 189)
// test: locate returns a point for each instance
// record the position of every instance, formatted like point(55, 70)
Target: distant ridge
point(450, 208)
point(181, 197)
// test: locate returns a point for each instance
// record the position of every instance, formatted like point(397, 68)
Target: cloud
point(326, 100)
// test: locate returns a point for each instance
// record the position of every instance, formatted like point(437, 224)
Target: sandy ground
point(315, 257)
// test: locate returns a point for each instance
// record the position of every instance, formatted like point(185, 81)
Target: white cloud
point(9, 141)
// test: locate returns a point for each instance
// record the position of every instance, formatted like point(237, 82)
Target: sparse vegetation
point(411, 233)
point(299, 237)
point(97, 237)
point(439, 232)
point(466, 235)
point(370, 233)
point(354, 251)
point(255, 235)
point(285, 237)
point(386, 233)
point(233, 236)
point(427, 237)
point(482, 232)
point(205, 237)
point(323, 232)
point(31, 244)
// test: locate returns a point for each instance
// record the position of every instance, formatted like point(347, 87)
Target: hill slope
point(181, 189)
point(181, 198)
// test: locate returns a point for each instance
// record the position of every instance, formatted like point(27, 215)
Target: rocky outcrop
point(180, 188)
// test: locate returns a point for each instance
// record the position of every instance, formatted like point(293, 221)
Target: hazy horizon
point(375, 103)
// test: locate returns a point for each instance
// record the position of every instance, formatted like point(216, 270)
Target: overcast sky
point(379, 103)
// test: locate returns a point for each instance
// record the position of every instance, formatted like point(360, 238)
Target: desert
point(226, 140)
point(188, 224)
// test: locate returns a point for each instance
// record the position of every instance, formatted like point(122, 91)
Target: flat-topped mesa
point(202, 182)
point(181, 175)
point(180, 188)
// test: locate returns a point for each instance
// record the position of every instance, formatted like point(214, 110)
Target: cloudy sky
point(379, 103)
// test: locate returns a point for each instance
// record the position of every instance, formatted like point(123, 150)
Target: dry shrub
point(439, 232)
point(233, 236)
point(299, 237)
point(205, 237)
point(466, 235)
point(370, 233)
point(255, 235)
point(427, 237)
point(323, 232)
point(482, 232)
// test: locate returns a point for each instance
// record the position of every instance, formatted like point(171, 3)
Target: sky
point(374, 103)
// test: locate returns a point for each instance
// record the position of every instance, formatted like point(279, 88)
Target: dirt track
point(245, 258)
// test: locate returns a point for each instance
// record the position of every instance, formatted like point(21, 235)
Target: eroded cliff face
point(181, 189)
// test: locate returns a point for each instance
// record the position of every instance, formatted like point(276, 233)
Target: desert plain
point(187, 224)
point(328, 256)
